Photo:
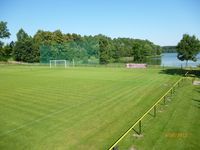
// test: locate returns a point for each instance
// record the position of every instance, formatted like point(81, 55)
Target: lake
point(170, 59)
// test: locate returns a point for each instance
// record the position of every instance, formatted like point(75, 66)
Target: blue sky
point(160, 21)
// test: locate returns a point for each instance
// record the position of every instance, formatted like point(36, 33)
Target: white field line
point(40, 119)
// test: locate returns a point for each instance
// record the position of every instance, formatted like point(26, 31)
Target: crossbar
point(55, 62)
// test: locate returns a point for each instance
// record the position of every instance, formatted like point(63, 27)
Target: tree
point(4, 32)
point(188, 48)
point(21, 34)
point(24, 51)
point(5, 52)
point(25, 48)
point(57, 36)
point(169, 49)
point(104, 54)
point(82, 48)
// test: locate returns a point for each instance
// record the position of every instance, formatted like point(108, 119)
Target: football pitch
point(74, 108)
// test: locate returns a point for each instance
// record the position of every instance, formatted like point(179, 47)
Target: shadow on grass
point(151, 114)
point(195, 72)
point(197, 89)
point(182, 72)
point(174, 71)
point(197, 103)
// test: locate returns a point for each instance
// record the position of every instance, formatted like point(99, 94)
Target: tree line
point(27, 48)
point(103, 48)
point(169, 49)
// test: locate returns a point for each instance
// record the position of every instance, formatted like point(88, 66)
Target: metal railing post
point(164, 100)
point(140, 126)
point(139, 121)
point(154, 109)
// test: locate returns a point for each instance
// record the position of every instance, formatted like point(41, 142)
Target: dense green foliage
point(74, 108)
point(188, 48)
point(169, 49)
point(101, 47)
point(130, 49)
point(4, 32)
point(25, 49)
point(85, 48)
point(104, 50)
point(5, 52)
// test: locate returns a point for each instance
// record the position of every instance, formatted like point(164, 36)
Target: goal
point(57, 63)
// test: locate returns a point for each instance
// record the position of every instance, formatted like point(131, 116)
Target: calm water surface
point(170, 59)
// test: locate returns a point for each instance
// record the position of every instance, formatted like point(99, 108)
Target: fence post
point(164, 100)
point(115, 148)
point(140, 126)
point(154, 108)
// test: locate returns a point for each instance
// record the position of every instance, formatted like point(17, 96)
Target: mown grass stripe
point(74, 107)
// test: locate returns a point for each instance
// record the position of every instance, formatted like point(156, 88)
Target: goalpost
point(55, 63)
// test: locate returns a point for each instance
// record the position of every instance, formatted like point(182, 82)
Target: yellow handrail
point(144, 114)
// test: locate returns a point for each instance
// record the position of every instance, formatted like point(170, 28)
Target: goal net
point(58, 63)
point(78, 52)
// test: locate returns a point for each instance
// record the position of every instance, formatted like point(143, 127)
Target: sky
point(161, 21)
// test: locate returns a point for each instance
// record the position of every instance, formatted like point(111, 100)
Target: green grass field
point(176, 126)
point(74, 108)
